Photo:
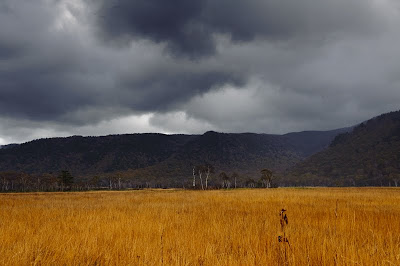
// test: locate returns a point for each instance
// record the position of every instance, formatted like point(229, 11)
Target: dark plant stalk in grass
point(283, 238)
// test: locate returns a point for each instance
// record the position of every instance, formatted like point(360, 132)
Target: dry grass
point(236, 227)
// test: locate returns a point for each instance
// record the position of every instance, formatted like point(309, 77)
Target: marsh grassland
point(326, 226)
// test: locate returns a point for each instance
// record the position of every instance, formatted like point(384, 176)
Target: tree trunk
point(201, 181)
point(194, 178)
point(270, 182)
point(207, 176)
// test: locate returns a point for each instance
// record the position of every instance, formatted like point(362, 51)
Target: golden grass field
point(327, 226)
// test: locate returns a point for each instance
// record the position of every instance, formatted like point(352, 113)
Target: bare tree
point(114, 181)
point(23, 180)
point(225, 180)
point(194, 176)
point(110, 182)
point(5, 178)
point(235, 176)
point(119, 178)
point(250, 183)
point(209, 169)
point(266, 177)
point(201, 170)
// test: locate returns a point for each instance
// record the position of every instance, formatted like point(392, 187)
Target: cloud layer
point(99, 67)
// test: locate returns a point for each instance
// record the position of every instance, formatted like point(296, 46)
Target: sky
point(98, 67)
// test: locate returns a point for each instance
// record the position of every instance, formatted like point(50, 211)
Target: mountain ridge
point(156, 156)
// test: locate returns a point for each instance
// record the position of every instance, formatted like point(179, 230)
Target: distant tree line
point(204, 177)
point(11, 181)
point(203, 174)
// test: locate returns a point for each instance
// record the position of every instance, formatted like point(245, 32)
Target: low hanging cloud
point(100, 67)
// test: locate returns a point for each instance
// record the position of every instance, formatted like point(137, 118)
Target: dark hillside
point(367, 156)
point(90, 155)
point(163, 158)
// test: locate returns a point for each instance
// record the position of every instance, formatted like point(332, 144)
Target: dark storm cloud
point(86, 66)
point(188, 27)
point(50, 70)
point(168, 88)
point(175, 22)
point(46, 88)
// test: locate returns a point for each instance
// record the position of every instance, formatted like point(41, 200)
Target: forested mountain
point(245, 153)
point(367, 156)
point(91, 155)
point(164, 159)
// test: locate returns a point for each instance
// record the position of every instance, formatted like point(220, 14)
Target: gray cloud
point(84, 66)
point(174, 22)
point(189, 28)
point(63, 70)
